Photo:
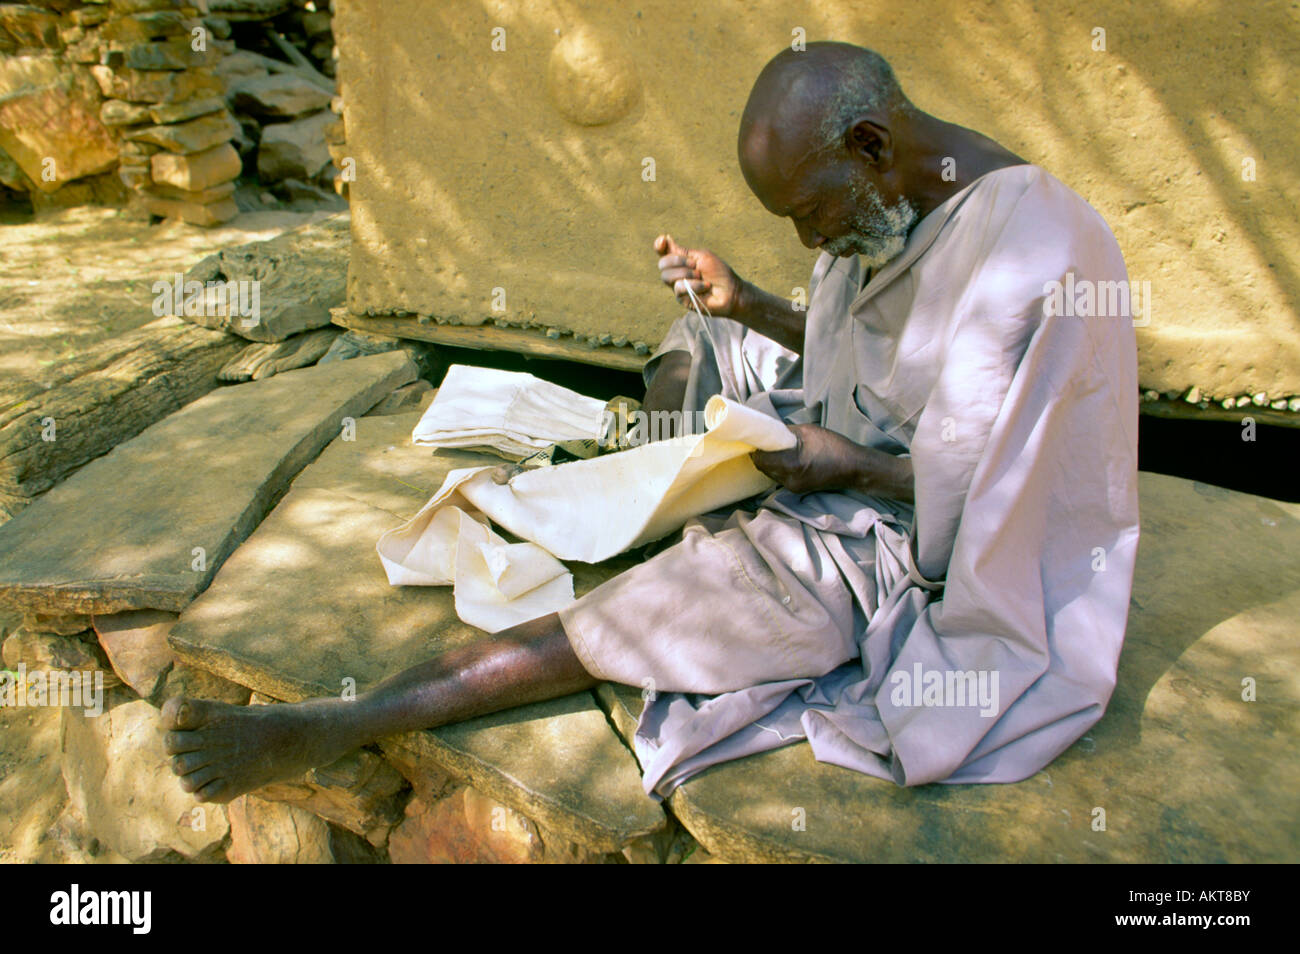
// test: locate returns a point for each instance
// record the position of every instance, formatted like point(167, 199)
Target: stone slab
point(1185, 770)
point(105, 394)
point(207, 215)
point(191, 136)
point(556, 762)
point(125, 532)
point(198, 171)
point(295, 149)
point(278, 96)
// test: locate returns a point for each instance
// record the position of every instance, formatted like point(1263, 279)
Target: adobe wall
point(523, 169)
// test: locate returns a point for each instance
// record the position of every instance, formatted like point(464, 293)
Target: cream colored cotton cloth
point(509, 412)
point(587, 510)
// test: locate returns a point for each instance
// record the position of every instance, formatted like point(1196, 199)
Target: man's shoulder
point(1031, 192)
point(1023, 214)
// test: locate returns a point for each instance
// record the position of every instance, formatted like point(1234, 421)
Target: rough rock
point(189, 109)
point(294, 150)
point(12, 175)
point(202, 170)
point(416, 394)
point(464, 828)
point(57, 123)
point(1183, 767)
point(145, 26)
point(30, 26)
point(207, 214)
point(166, 508)
point(556, 762)
point(136, 645)
point(155, 86)
point(263, 359)
point(237, 66)
point(278, 95)
point(302, 272)
point(235, 10)
point(173, 54)
point(428, 781)
point(118, 112)
point(195, 135)
point(206, 196)
point(194, 683)
point(275, 833)
point(121, 782)
point(360, 792)
point(47, 652)
point(61, 624)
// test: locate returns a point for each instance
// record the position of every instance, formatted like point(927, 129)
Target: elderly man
point(938, 589)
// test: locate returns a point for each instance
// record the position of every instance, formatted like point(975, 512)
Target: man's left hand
point(821, 460)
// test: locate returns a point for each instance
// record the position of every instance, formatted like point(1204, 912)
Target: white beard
point(877, 233)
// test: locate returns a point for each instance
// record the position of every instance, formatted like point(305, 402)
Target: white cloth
point(587, 510)
point(511, 412)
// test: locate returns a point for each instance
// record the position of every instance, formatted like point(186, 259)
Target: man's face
point(837, 205)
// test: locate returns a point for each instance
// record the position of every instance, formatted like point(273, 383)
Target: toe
point(218, 791)
point(189, 762)
point(190, 713)
point(169, 711)
point(176, 743)
point(198, 779)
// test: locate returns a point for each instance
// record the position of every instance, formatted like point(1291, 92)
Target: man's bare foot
point(222, 751)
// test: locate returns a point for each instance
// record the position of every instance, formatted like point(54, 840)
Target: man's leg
point(667, 389)
point(222, 751)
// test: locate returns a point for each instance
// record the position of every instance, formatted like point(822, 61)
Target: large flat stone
point(1185, 770)
point(123, 532)
point(104, 395)
point(303, 606)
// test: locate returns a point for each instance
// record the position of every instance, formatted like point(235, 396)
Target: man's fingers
point(671, 275)
point(700, 288)
point(665, 245)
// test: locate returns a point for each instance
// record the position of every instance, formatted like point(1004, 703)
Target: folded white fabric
point(587, 510)
point(513, 413)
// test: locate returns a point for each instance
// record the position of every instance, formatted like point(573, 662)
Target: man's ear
point(872, 142)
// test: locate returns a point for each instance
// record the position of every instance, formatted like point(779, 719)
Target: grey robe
point(991, 614)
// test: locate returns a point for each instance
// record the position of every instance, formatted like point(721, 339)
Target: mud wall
point(514, 160)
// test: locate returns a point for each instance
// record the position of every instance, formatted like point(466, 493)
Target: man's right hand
point(714, 282)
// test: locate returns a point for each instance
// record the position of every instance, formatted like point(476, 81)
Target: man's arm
point(825, 460)
point(770, 315)
point(726, 295)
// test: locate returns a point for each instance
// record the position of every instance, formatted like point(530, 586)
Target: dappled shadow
point(470, 179)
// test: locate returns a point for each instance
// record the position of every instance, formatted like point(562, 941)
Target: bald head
point(818, 144)
point(809, 100)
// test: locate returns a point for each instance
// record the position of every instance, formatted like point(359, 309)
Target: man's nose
point(809, 236)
